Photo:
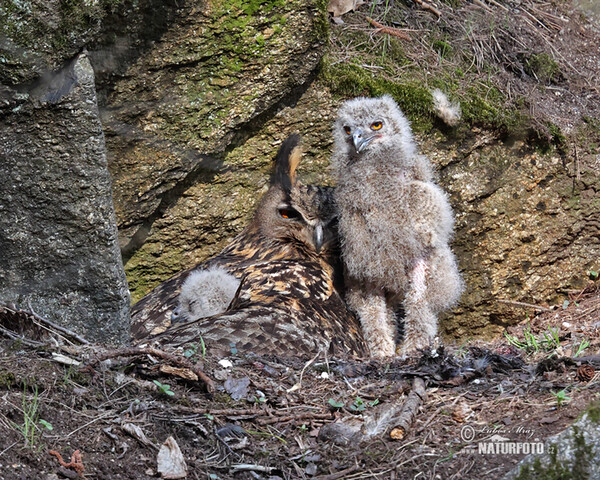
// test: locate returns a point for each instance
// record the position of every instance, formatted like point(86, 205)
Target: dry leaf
point(137, 433)
point(171, 463)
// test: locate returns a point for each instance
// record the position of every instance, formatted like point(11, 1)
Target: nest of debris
point(72, 409)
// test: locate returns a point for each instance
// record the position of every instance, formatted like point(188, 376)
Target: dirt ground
point(264, 417)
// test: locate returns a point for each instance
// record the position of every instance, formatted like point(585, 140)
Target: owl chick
point(395, 226)
point(205, 293)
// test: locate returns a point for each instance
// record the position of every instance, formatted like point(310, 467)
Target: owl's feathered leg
point(377, 320)
point(420, 321)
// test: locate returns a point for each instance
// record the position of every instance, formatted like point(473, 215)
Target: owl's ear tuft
point(287, 161)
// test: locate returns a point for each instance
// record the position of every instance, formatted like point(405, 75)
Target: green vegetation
point(192, 349)
point(542, 67)
point(358, 405)
point(582, 346)
point(547, 342)
point(164, 389)
point(443, 48)
point(352, 80)
point(561, 397)
point(593, 412)
point(31, 419)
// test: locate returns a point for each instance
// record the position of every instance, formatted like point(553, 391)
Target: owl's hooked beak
point(318, 237)
point(360, 140)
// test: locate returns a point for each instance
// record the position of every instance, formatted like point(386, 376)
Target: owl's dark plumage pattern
point(287, 262)
point(283, 307)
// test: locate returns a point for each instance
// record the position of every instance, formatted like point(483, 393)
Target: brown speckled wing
point(283, 308)
point(152, 314)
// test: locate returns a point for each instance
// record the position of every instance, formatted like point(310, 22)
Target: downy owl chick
point(287, 260)
point(205, 293)
point(395, 226)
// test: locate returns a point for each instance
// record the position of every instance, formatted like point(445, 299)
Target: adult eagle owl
point(286, 262)
point(395, 226)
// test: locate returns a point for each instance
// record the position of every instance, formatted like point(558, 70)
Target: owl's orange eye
point(288, 213)
point(348, 130)
point(376, 125)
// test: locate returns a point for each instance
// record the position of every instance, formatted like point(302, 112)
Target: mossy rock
point(572, 454)
point(205, 86)
point(39, 35)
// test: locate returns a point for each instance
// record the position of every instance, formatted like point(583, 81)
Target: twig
point(409, 410)
point(97, 419)
point(155, 352)
point(493, 2)
point(426, 6)
point(290, 418)
point(588, 358)
point(7, 448)
point(524, 304)
point(298, 385)
point(395, 32)
point(48, 323)
point(482, 5)
point(20, 338)
point(244, 467)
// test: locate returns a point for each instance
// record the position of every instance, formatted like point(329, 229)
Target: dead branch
point(409, 410)
point(44, 323)
point(20, 338)
point(155, 352)
point(395, 32)
point(589, 359)
point(291, 418)
point(340, 474)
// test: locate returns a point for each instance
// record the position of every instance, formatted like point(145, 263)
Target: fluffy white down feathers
point(205, 293)
point(395, 226)
point(449, 112)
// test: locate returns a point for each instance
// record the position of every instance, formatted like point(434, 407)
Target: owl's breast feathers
point(389, 221)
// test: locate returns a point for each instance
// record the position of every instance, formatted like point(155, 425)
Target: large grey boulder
point(58, 238)
point(572, 454)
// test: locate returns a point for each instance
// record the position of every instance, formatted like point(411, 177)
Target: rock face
point(37, 36)
point(528, 230)
point(58, 234)
point(195, 98)
point(220, 70)
point(573, 453)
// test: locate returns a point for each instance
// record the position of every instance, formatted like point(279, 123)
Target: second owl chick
point(395, 226)
point(205, 293)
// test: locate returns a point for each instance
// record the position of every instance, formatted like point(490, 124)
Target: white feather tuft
point(446, 110)
point(206, 292)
